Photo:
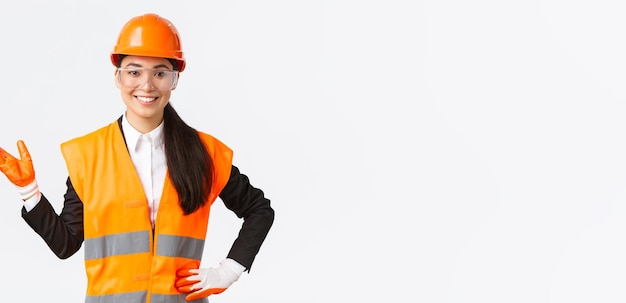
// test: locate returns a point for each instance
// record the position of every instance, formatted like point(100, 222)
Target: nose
point(147, 84)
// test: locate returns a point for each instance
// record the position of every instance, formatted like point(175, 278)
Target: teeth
point(146, 99)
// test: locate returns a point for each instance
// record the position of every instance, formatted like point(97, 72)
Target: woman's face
point(145, 84)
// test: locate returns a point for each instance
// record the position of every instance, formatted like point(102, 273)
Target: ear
point(175, 83)
point(117, 79)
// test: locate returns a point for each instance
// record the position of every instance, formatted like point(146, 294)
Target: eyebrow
point(139, 65)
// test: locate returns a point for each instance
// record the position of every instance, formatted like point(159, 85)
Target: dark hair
point(188, 162)
point(121, 57)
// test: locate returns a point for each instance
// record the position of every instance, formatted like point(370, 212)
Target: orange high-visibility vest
point(124, 261)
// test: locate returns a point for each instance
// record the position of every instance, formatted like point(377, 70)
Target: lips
point(146, 99)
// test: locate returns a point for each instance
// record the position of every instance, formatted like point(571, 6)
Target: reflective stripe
point(179, 246)
point(135, 297)
point(140, 297)
point(118, 244)
point(174, 299)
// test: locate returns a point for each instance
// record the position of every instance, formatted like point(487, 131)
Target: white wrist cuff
point(29, 192)
point(234, 266)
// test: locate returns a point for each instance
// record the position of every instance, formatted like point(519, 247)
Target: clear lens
point(160, 79)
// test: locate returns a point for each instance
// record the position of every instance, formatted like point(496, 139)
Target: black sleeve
point(249, 203)
point(63, 233)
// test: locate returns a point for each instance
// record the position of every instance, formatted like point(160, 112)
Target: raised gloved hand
point(19, 171)
point(203, 282)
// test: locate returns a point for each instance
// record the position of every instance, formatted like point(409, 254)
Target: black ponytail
point(188, 161)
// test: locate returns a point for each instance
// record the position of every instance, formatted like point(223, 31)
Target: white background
point(414, 151)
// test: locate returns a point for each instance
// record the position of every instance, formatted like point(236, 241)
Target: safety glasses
point(159, 79)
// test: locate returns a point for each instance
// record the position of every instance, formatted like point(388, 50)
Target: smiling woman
point(147, 95)
point(140, 189)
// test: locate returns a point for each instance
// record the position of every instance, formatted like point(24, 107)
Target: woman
point(140, 189)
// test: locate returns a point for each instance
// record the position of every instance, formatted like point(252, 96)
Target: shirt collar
point(133, 136)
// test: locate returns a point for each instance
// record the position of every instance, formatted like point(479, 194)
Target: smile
point(146, 99)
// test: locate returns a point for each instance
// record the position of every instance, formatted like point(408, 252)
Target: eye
point(160, 74)
point(133, 72)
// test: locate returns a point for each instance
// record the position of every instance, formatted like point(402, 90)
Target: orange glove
point(19, 171)
point(203, 282)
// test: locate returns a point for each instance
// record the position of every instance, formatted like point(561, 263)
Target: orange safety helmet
point(149, 35)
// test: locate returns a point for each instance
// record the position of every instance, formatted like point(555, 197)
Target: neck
point(144, 126)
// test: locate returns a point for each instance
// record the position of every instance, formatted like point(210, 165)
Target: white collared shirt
point(148, 155)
